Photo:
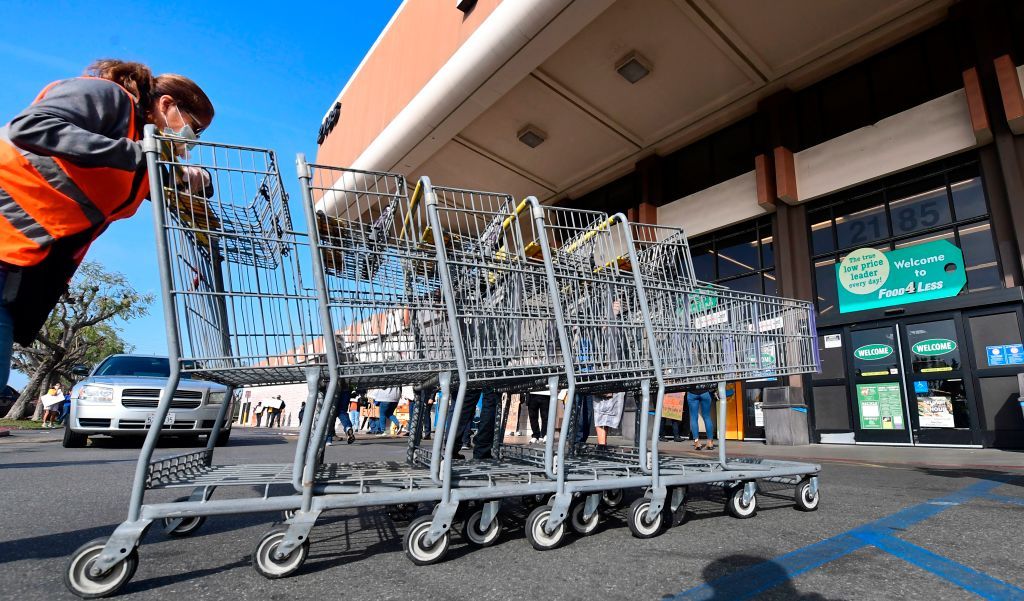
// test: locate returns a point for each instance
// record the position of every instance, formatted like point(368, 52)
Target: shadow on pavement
point(121, 442)
point(38, 464)
point(1006, 477)
point(742, 576)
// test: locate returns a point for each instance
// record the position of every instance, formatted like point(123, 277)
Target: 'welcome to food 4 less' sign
point(868, 278)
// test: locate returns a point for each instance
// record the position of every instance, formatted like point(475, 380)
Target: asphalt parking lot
point(884, 530)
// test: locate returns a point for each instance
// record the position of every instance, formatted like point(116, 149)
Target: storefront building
point(863, 155)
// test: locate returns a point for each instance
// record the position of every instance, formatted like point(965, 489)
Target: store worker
point(72, 163)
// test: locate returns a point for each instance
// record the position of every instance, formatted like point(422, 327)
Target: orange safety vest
point(50, 198)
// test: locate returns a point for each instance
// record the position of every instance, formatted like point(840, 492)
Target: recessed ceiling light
point(633, 67)
point(531, 136)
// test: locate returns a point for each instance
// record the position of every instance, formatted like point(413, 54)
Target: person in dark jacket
point(70, 165)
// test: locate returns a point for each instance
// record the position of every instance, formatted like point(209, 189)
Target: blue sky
point(271, 69)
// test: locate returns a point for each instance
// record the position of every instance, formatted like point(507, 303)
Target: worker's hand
point(194, 180)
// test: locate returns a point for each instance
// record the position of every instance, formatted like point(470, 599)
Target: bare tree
point(78, 330)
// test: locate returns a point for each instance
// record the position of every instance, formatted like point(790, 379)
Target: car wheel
point(73, 440)
point(222, 438)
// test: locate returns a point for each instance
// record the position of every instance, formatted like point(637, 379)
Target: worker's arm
point(85, 121)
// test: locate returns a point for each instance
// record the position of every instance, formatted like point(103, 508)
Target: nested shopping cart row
point(466, 291)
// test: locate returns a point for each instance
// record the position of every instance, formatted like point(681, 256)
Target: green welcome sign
point(872, 352)
point(934, 347)
point(868, 278)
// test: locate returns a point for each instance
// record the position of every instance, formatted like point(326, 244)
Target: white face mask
point(185, 133)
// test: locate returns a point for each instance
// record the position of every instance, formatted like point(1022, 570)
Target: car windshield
point(156, 367)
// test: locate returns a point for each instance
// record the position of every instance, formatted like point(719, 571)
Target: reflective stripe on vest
point(45, 198)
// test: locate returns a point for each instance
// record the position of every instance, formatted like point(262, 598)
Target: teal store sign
point(869, 279)
point(934, 347)
point(873, 352)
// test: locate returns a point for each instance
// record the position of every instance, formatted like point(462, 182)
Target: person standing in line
point(698, 400)
point(484, 439)
point(50, 401)
point(388, 399)
point(257, 414)
point(353, 410)
point(341, 401)
point(584, 417)
point(607, 414)
point(537, 404)
point(280, 410)
point(268, 409)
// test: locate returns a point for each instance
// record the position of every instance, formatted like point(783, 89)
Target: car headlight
point(95, 395)
point(216, 398)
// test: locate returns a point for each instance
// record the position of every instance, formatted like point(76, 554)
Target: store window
point(945, 201)
point(741, 258)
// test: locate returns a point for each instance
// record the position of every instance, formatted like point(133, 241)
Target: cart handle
point(607, 223)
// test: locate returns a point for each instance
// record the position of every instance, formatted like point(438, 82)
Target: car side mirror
point(80, 370)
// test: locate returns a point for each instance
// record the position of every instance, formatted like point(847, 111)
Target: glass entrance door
point(942, 406)
point(878, 385)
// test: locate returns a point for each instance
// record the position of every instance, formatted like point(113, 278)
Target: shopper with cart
point(71, 164)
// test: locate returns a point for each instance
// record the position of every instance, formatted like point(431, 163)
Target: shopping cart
point(709, 334)
point(237, 312)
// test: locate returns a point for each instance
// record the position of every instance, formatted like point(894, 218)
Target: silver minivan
point(119, 398)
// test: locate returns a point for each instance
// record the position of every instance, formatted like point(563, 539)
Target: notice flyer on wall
point(881, 406)
point(672, 408)
point(935, 412)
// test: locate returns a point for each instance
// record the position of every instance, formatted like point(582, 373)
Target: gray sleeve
point(82, 120)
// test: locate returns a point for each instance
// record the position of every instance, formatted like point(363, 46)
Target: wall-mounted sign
point(699, 303)
point(672, 406)
point(328, 123)
point(934, 347)
point(880, 406)
point(1005, 354)
point(868, 278)
point(872, 352)
point(833, 340)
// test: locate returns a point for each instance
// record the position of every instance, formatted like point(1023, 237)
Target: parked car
point(8, 396)
point(119, 398)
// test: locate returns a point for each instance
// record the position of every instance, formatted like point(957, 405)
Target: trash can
point(785, 416)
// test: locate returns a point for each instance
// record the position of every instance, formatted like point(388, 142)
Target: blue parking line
point(754, 580)
point(1004, 499)
point(979, 583)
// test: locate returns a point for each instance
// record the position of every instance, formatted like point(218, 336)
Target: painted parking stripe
point(979, 583)
point(754, 580)
point(1005, 499)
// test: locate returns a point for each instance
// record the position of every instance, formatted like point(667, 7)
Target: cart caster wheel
point(402, 512)
point(679, 515)
point(805, 499)
point(187, 525)
point(734, 505)
point(78, 580)
point(480, 538)
point(579, 525)
point(535, 523)
point(638, 524)
point(612, 499)
point(531, 501)
point(266, 562)
point(415, 547)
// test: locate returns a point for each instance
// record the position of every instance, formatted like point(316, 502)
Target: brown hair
point(134, 77)
point(187, 93)
point(139, 80)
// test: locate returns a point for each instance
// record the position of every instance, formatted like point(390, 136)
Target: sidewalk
point(934, 457)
